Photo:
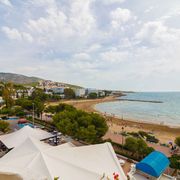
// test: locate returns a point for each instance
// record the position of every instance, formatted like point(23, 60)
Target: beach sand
point(162, 132)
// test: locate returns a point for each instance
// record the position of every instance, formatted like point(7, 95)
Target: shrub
point(92, 95)
point(175, 161)
point(152, 139)
point(137, 146)
point(6, 111)
point(134, 134)
point(177, 141)
point(19, 111)
point(4, 126)
point(148, 137)
point(143, 134)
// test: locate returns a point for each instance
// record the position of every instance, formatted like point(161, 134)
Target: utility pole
point(33, 114)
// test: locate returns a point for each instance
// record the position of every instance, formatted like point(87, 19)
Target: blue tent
point(154, 164)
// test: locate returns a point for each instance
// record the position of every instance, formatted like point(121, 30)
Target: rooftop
point(154, 164)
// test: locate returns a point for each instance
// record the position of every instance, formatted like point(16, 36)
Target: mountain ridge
point(18, 78)
point(24, 80)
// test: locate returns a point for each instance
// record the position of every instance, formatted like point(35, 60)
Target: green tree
point(131, 144)
point(39, 108)
point(175, 161)
point(85, 126)
point(7, 94)
point(4, 126)
point(60, 107)
point(143, 149)
point(19, 87)
point(92, 95)
point(141, 146)
point(69, 93)
point(54, 97)
point(39, 95)
point(25, 103)
point(149, 150)
point(137, 146)
point(50, 109)
point(1, 92)
point(1, 88)
point(38, 98)
point(177, 141)
point(19, 111)
point(100, 124)
point(7, 111)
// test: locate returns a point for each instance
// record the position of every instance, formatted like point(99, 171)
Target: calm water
point(25, 124)
point(167, 112)
point(13, 118)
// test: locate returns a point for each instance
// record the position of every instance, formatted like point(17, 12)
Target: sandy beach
point(163, 132)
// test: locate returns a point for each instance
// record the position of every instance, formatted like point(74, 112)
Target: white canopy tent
point(16, 138)
point(35, 160)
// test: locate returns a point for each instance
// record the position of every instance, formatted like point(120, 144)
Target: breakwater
point(137, 100)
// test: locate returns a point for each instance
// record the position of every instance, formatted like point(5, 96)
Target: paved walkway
point(118, 138)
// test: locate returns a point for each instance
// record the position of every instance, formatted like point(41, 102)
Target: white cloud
point(120, 16)
point(108, 2)
point(46, 3)
point(93, 48)
point(26, 37)
point(56, 24)
point(92, 42)
point(15, 34)
point(157, 32)
point(149, 9)
point(6, 2)
point(81, 56)
point(114, 56)
point(81, 18)
point(11, 33)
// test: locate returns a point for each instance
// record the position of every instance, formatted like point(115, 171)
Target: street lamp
point(122, 135)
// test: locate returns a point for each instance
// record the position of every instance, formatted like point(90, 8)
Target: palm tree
point(7, 93)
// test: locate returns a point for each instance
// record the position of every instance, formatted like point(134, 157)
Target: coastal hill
point(18, 78)
point(25, 80)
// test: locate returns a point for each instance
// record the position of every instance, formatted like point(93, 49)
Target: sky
point(105, 44)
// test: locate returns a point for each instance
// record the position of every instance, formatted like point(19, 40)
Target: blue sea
point(167, 112)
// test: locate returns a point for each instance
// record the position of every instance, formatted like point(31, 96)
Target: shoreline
point(135, 120)
point(163, 132)
point(111, 115)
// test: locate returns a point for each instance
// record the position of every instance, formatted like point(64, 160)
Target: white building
point(14, 139)
point(23, 93)
point(30, 91)
point(80, 92)
point(48, 84)
point(1, 100)
point(99, 93)
point(58, 90)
